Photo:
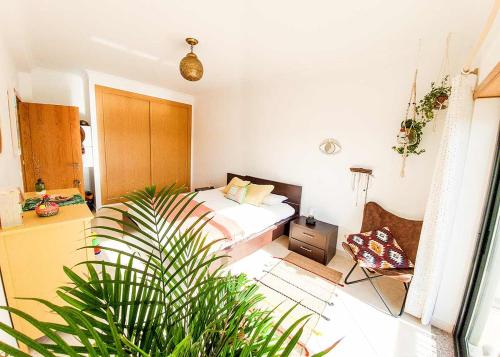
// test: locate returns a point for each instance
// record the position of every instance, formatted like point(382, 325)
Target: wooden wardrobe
point(142, 141)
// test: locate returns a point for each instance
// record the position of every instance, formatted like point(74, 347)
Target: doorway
point(50, 146)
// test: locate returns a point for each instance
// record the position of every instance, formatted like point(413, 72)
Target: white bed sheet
point(250, 218)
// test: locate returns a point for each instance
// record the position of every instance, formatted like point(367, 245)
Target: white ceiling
point(239, 39)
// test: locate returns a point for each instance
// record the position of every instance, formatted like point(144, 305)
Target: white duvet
point(251, 219)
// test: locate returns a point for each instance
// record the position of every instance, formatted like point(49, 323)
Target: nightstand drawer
point(307, 250)
point(308, 236)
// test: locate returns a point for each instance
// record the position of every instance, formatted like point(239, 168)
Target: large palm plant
point(161, 297)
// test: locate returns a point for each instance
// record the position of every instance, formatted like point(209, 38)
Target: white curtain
point(441, 206)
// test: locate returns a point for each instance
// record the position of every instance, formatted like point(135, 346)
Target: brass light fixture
point(190, 66)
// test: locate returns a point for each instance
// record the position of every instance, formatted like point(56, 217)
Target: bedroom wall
point(282, 122)
point(41, 85)
point(10, 168)
point(10, 165)
point(218, 137)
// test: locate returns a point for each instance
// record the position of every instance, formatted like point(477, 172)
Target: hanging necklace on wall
point(360, 183)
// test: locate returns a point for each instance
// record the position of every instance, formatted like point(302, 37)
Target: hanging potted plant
point(436, 99)
point(409, 137)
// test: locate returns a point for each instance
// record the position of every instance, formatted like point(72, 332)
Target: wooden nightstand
point(204, 188)
point(318, 242)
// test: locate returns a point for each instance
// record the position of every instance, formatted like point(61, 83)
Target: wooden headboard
point(293, 192)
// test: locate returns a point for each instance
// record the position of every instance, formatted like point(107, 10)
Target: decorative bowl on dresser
point(318, 242)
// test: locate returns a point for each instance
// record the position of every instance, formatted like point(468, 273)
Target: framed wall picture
point(14, 122)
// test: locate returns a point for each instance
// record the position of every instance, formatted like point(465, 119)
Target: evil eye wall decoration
point(330, 146)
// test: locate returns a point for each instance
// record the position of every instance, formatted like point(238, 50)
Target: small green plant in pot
point(436, 99)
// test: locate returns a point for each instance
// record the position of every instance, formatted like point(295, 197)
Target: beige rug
point(298, 280)
point(315, 268)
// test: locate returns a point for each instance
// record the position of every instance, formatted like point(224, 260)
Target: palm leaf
point(162, 296)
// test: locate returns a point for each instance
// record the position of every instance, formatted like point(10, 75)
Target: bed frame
point(248, 246)
point(254, 243)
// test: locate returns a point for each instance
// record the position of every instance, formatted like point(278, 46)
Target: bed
point(241, 248)
point(250, 227)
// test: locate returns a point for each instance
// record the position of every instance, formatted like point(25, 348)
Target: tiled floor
point(357, 315)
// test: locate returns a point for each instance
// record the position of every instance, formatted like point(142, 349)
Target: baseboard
point(443, 325)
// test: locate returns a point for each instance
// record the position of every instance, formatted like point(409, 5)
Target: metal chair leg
point(369, 278)
point(359, 280)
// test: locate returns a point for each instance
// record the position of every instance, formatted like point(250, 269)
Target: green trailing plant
point(411, 129)
point(165, 299)
point(411, 132)
point(435, 99)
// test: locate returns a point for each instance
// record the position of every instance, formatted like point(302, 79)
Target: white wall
point(98, 78)
point(10, 165)
point(10, 168)
point(218, 137)
point(282, 122)
point(46, 86)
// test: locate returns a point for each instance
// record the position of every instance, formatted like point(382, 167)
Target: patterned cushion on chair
point(378, 249)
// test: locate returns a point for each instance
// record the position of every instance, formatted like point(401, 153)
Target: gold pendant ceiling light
point(190, 66)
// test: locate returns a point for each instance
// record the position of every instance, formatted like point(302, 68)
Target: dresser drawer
point(307, 250)
point(308, 236)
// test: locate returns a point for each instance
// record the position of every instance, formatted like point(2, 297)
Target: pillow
point(257, 193)
point(235, 181)
point(378, 249)
point(273, 199)
point(237, 193)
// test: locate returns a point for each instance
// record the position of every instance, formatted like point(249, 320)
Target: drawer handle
point(308, 234)
point(307, 250)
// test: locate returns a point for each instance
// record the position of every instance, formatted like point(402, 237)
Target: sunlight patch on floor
point(357, 315)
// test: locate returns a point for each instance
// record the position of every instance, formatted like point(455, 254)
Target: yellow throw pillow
point(257, 193)
point(237, 182)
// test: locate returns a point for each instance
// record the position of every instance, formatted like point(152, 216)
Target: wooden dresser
point(318, 242)
point(32, 257)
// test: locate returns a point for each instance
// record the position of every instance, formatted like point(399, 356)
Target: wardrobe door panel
point(170, 143)
point(126, 133)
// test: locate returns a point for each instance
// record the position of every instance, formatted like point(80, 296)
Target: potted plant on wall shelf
point(436, 99)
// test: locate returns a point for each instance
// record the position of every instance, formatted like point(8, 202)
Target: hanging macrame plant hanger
point(444, 76)
point(409, 122)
